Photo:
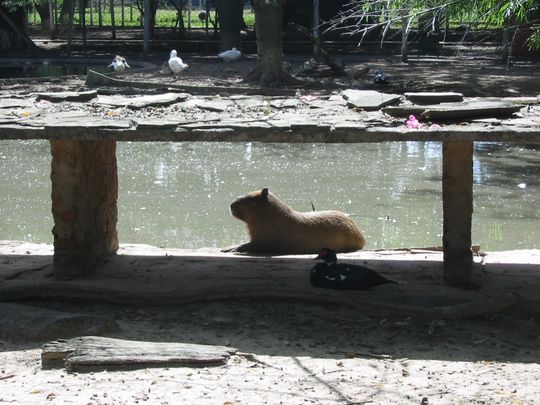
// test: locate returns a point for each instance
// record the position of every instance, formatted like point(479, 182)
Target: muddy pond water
point(178, 194)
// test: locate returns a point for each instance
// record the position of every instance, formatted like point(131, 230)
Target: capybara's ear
point(264, 192)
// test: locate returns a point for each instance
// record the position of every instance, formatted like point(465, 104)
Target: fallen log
point(95, 80)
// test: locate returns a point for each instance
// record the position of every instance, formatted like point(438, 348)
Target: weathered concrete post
point(457, 209)
point(84, 204)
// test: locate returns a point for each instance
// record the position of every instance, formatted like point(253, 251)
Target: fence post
point(190, 6)
point(113, 22)
point(100, 16)
point(147, 19)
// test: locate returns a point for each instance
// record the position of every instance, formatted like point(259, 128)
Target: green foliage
point(534, 40)
point(165, 17)
point(363, 16)
point(12, 5)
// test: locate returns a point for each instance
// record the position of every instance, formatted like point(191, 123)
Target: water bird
point(231, 55)
point(379, 77)
point(119, 64)
point(176, 64)
point(341, 276)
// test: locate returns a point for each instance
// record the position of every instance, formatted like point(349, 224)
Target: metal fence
point(186, 14)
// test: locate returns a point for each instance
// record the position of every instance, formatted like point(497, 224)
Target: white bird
point(176, 64)
point(231, 55)
point(119, 64)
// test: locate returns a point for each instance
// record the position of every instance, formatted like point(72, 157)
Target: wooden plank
point(457, 211)
point(91, 352)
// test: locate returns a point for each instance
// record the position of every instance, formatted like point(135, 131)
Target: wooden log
point(457, 211)
point(93, 352)
point(24, 322)
point(84, 204)
point(95, 79)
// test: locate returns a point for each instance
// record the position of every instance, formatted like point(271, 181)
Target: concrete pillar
point(457, 211)
point(84, 204)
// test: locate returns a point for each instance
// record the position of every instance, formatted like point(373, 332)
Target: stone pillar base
point(457, 208)
point(84, 204)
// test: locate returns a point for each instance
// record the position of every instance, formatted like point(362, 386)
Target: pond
point(178, 194)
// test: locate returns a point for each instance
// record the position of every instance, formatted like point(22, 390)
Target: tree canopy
point(364, 16)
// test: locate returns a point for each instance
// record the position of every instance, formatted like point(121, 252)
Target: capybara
point(276, 228)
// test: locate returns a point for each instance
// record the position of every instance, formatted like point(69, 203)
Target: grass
point(132, 17)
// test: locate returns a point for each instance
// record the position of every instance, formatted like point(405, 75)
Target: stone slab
point(88, 352)
point(154, 100)
point(369, 100)
point(434, 97)
point(79, 119)
point(16, 102)
point(285, 103)
point(468, 110)
point(79, 96)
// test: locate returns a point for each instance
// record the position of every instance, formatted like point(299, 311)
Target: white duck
point(176, 64)
point(119, 64)
point(231, 55)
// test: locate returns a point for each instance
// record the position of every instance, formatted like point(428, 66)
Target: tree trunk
point(113, 22)
point(268, 23)
point(12, 29)
point(406, 21)
point(231, 13)
point(44, 11)
point(67, 6)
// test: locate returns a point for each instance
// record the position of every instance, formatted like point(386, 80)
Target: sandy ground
point(303, 353)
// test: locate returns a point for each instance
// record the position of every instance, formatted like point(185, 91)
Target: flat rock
point(157, 123)
point(91, 352)
point(19, 115)
point(434, 97)
point(16, 102)
point(154, 100)
point(35, 323)
point(369, 100)
point(218, 105)
point(456, 111)
point(468, 110)
point(80, 119)
point(404, 111)
point(68, 96)
point(284, 103)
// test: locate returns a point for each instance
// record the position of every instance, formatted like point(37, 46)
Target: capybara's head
point(250, 204)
